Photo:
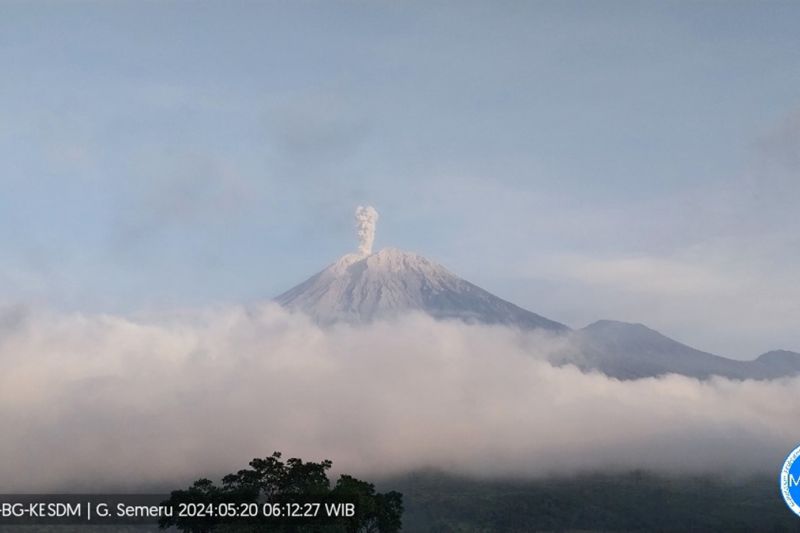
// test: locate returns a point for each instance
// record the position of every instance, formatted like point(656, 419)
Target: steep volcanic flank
point(359, 288)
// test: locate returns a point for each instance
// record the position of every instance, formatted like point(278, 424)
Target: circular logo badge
point(790, 481)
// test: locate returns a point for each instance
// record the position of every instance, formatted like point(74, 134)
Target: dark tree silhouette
point(290, 484)
point(375, 512)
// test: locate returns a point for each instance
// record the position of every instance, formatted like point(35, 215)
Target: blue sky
point(629, 160)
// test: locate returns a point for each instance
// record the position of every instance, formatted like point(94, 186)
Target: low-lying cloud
point(94, 402)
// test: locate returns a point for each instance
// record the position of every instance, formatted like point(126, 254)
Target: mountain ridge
point(630, 351)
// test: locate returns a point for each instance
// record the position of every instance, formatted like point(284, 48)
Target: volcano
point(363, 287)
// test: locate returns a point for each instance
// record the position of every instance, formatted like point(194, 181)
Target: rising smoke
point(366, 219)
point(93, 402)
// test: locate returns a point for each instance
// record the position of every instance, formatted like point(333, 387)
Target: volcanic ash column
point(366, 219)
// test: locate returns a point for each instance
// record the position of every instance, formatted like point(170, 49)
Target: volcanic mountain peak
point(391, 282)
point(362, 287)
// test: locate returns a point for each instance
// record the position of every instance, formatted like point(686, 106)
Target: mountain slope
point(631, 351)
point(778, 363)
point(362, 288)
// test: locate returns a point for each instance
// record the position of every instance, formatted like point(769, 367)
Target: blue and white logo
point(790, 481)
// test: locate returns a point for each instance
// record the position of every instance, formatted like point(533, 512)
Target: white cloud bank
point(91, 402)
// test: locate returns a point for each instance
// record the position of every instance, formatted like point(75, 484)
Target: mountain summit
point(362, 287)
point(386, 284)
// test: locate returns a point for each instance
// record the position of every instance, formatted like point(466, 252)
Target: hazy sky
point(629, 160)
